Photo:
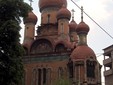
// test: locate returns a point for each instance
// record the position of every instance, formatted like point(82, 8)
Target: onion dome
point(51, 3)
point(82, 52)
point(31, 18)
point(64, 13)
point(82, 27)
point(72, 26)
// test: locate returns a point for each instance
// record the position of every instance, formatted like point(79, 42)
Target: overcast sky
point(101, 11)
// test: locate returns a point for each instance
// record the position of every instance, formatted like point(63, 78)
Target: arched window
point(41, 46)
point(62, 28)
point(26, 50)
point(60, 48)
point(39, 76)
point(60, 72)
point(34, 77)
point(48, 18)
point(49, 76)
point(44, 76)
point(90, 69)
point(70, 68)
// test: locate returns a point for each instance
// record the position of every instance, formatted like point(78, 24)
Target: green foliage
point(13, 9)
point(11, 67)
point(62, 81)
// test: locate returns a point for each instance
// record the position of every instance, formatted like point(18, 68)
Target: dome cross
point(73, 14)
point(82, 13)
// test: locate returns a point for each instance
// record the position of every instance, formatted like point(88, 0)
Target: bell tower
point(29, 33)
point(72, 30)
point(86, 69)
point(63, 17)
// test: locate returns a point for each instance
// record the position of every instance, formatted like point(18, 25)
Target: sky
point(99, 10)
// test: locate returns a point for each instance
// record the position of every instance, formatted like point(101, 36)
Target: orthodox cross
point(73, 14)
point(82, 13)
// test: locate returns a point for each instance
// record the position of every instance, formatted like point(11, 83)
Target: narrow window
point(70, 68)
point(26, 31)
point(49, 76)
point(60, 47)
point(90, 69)
point(34, 77)
point(39, 76)
point(48, 18)
point(60, 72)
point(62, 28)
point(44, 76)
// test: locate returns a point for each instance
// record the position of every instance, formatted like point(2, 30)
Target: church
point(59, 49)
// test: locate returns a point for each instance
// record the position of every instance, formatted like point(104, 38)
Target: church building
point(59, 49)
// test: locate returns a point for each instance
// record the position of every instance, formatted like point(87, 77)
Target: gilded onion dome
point(51, 3)
point(64, 13)
point(31, 18)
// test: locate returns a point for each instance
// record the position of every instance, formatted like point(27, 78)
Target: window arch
point(26, 50)
point(90, 69)
point(70, 68)
point(60, 72)
point(39, 76)
point(60, 47)
point(44, 76)
point(41, 46)
point(49, 76)
point(48, 18)
point(62, 28)
point(34, 77)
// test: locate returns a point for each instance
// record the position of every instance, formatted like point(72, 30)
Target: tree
point(11, 67)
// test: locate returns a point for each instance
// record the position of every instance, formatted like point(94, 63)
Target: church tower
point(72, 30)
point(29, 32)
point(63, 17)
point(86, 69)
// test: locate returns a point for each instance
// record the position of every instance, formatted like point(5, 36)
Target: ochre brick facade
point(59, 50)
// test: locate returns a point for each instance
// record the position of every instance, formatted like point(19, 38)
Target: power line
point(99, 54)
point(93, 20)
